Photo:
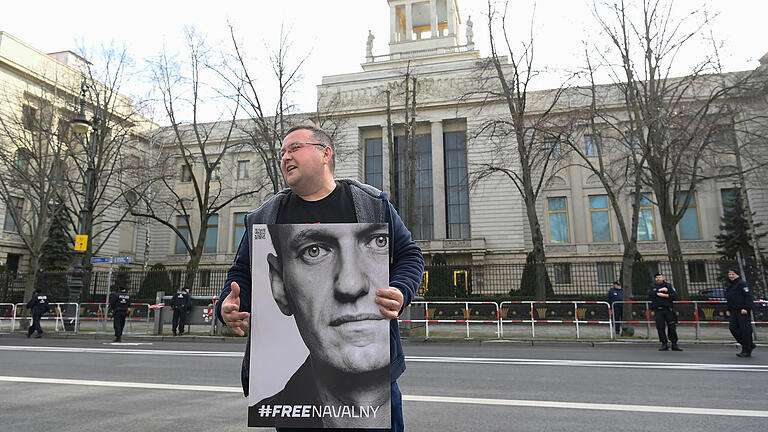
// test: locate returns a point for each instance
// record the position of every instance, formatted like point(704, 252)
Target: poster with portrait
point(319, 354)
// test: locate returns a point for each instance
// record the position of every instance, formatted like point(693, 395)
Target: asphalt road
point(93, 385)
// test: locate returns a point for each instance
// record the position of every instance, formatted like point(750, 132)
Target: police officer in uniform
point(616, 294)
point(740, 302)
point(120, 303)
point(39, 305)
point(181, 304)
point(662, 297)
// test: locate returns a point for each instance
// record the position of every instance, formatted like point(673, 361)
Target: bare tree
point(33, 143)
point(677, 118)
point(110, 154)
point(197, 162)
point(265, 126)
point(519, 137)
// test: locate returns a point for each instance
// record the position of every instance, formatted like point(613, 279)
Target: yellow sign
point(81, 242)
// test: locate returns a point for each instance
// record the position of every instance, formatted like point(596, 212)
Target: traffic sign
point(99, 260)
point(123, 259)
point(81, 242)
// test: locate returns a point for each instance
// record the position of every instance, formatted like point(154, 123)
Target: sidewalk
point(709, 334)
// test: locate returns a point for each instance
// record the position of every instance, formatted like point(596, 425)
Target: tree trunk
point(539, 259)
point(675, 254)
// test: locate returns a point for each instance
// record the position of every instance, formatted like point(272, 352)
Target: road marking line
point(424, 359)
point(589, 406)
point(155, 386)
point(120, 351)
point(418, 398)
point(591, 363)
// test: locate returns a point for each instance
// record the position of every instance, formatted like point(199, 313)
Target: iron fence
point(568, 280)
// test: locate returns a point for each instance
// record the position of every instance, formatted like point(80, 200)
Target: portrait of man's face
point(326, 276)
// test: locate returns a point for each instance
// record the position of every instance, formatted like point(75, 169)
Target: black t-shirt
point(335, 208)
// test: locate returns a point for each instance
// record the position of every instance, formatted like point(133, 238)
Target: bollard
point(159, 313)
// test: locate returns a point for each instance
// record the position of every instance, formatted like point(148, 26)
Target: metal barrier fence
point(696, 313)
point(555, 312)
point(13, 312)
point(7, 314)
point(452, 312)
point(578, 313)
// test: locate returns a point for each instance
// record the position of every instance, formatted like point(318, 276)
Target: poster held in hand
point(319, 352)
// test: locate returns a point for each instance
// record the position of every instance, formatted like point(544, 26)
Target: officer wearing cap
point(181, 304)
point(616, 294)
point(740, 302)
point(120, 303)
point(662, 297)
point(39, 305)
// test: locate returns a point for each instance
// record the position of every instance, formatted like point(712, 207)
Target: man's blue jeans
point(398, 424)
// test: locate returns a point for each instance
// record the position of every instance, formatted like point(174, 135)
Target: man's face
point(732, 275)
point(303, 163)
point(326, 276)
point(660, 279)
point(617, 286)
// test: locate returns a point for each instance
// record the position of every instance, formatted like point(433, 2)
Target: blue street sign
point(99, 260)
point(123, 259)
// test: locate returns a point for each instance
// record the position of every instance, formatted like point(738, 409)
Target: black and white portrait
point(320, 346)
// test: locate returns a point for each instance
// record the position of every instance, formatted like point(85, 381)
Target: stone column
point(438, 180)
point(451, 19)
point(408, 22)
point(433, 18)
point(392, 23)
point(385, 161)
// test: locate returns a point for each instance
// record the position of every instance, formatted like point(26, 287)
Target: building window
point(689, 224)
point(186, 174)
point(421, 226)
point(29, 117)
point(182, 224)
point(211, 233)
point(205, 278)
point(10, 223)
point(557, 209)
point(373, 163)
point(456, 185)
point(605, 273)
point(600, 218)
point(23, 157)
point(697, 271)
point(646, 228)
point(242, 169)
point(591, 145)
point(555, 147)
point(238, 229)
point(730, 198)
point(216, 172)
point(562, 273)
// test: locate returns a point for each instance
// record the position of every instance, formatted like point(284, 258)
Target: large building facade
point(453, 213)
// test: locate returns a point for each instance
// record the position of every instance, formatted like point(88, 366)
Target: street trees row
point(653, 134)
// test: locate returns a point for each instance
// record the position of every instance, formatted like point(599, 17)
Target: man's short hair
point(657, 274)
point(734, 270)
point(187, 288)
point(321, 136)
point(617, 283)
point(275, 233)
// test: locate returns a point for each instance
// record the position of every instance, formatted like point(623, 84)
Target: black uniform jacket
point(739, 295)
point(661, 302)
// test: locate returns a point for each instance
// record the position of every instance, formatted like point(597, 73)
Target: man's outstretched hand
point(390, 301)
point(230, 311)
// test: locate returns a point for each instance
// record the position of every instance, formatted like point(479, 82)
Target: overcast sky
point(333, 32)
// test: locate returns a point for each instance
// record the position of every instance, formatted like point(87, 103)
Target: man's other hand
point(230, 311)
point(390, 301)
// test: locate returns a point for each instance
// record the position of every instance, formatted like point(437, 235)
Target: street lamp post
point(81, 125)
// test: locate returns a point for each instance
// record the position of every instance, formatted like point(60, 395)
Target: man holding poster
point(307, 161)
